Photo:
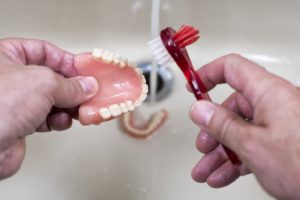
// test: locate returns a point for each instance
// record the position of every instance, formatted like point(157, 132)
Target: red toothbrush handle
point(196, 84)
point(200, 93)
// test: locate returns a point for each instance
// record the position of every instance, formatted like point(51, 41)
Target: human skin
point(38, 94)
point(259, 122)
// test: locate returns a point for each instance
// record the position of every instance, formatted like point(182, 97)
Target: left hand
point(37, 94)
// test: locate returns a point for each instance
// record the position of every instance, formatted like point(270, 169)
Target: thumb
point(224, 125)
point(72, 92)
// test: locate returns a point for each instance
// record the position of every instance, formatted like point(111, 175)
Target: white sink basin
point(102, 162)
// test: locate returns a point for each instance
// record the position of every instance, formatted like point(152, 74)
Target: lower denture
point(122, 86)
point(128, 122)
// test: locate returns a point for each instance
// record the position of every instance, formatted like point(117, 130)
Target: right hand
point(259, 122)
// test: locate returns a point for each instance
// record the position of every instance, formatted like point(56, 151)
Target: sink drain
point(164, 79)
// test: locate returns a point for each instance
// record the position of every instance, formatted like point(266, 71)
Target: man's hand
point(38, 93)
point(260, 122)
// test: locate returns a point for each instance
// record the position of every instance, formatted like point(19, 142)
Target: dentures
point(144, 130)
point(122, 86)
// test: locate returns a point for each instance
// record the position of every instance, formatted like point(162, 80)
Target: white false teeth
point(130, 105)
point(145, 88)
point(97, 53)
point(156, 121)
point(124, 107)
point(105, 113)
point(123, 62)
point(108, 56)
point(115, 110)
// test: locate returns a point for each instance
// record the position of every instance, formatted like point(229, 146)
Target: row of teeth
point(156, 121)
point(110, 57)
point(118, 109)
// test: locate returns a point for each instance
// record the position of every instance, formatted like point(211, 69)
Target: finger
point(238, 104)
point(12, 158)
point(73, 112)
point(241, 74)
point(56, 121)
point(205, 143)
point(215, 169)
point(39, 52)
point(226, 174)
point(223, 124)
point(59, 121)
point(208, 164)
point(44, 127)
point(223, 176)
point(71, 92)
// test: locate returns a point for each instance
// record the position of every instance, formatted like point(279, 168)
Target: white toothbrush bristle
point(155, 40)
point(160, 52)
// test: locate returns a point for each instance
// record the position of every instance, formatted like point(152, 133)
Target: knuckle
point(74, 91)
point(77, 87)
point(231, 61)
point(226, 125)
point(249, 146)
point(233, 57)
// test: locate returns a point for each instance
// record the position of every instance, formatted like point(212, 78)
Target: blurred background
point(103, 162)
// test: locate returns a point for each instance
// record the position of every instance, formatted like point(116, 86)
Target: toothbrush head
point(160, 52)
point(185, 36)
point(170, 46)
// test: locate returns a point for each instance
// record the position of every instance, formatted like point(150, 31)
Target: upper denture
point(122, 86)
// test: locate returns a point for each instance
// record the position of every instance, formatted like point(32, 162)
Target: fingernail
point(202, 112)
point(89, 85)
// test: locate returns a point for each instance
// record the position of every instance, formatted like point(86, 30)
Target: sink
point(103, 162)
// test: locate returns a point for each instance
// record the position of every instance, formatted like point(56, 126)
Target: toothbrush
point(170, 47)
